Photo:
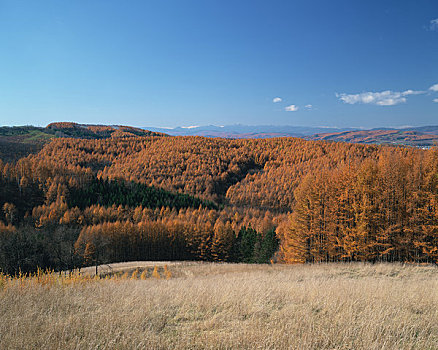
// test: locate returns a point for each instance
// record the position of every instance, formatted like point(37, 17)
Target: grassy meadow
point(189, 305)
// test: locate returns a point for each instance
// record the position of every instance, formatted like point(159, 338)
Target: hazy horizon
point(231, 125)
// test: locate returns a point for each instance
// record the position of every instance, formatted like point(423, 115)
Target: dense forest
point(82, 201)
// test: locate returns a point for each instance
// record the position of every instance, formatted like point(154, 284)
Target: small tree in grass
point(155, 273)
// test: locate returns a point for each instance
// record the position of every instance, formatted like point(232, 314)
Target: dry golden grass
point(226, 306)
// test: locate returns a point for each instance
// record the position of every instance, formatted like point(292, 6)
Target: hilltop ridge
point(19, 141)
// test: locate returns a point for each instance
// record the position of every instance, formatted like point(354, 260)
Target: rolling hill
point(19, 141)
point(423, 136)
point(405, 137)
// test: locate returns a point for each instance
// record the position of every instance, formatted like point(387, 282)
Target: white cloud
point(434, 24)
point(434, 87)
point(277, 99)
point(308, 106)
point(412, 92)
point(435, 100)
point(384, 98)
point(291, 108)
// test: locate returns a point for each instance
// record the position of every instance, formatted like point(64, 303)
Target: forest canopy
point(84, 201)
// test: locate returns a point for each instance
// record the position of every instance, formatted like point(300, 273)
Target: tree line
point(377, 210)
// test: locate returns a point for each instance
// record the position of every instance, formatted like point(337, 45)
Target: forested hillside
point(19, 141)
point(86, 201)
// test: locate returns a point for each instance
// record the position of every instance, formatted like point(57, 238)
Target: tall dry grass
point(226, 306)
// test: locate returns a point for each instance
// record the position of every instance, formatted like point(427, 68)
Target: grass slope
point(226, 306)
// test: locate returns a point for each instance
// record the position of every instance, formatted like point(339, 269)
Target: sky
point(170, 63)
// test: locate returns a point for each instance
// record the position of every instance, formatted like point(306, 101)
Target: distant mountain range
point(247, 131)
point(19, 141)
point(423, 136)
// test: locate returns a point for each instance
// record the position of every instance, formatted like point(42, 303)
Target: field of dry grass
point(226, 306)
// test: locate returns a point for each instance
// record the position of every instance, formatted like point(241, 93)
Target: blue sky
point(177, 63)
